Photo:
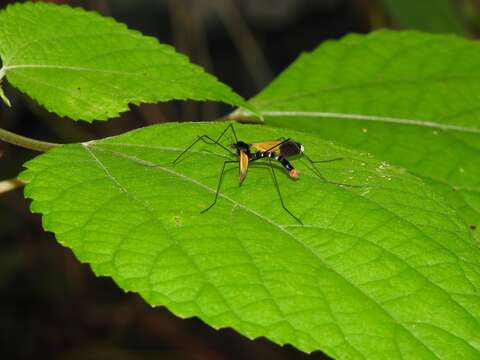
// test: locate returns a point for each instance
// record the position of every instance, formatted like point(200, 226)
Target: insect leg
point(203, 137)
point(230, 126)
point(215, 142)
point(279, 193)
point(219, 184)
point(208, 140)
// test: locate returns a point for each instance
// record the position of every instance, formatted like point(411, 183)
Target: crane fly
point(278, 150)
point(273, 150)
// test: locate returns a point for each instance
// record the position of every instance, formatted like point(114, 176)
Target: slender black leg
point(215, 142)
point(219, 184)
point(233, 131)
point(230, 126)
point(203, 137)
point(210, 141)
point(279, 193)
point(317, 172)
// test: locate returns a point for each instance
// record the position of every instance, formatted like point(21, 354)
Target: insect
point(273, 150)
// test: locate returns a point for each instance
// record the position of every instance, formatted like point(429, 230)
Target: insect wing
point(267, 145)
point(243, 166)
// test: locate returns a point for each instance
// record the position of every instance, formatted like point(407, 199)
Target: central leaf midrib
point(422, 123)
point(8, 68)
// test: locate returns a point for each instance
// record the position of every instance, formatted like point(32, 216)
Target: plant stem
point(242, 117)
point(246, 44)
point(2, 94)
point(25, 142)
point(9, 185)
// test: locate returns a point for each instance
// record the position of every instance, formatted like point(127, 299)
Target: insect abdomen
point(267, 154)
point(289, 167)
point(280, 158)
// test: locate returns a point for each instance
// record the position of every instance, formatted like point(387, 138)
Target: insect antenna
point(325, 161)
point(323, 178)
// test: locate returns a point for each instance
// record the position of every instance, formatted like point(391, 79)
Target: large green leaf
point(385, 270)
point(85, 66)
point(407, 97)
point(427, 15)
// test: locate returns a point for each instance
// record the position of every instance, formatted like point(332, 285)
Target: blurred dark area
point(54, 307)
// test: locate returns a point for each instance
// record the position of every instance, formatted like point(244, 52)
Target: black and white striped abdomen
point(272, 155)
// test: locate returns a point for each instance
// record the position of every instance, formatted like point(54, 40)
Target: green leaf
point(85, 66)
point(385, 270)
point(407, 97)
point(428, 15)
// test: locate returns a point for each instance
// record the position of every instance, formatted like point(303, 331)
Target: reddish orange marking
point(294, 173)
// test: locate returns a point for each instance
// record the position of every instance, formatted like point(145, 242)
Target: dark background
point(53, 306)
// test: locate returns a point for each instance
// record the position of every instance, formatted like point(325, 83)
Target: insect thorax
point(241, 146)
point(291, 148)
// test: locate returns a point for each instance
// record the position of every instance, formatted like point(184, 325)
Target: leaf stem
point(25, 142)
point(2, 94)
point(11, 184)
point(241, 116)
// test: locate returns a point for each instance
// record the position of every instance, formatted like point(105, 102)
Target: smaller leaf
point(88, 67)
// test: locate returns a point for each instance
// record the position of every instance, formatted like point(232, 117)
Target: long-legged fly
point(277, 150)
